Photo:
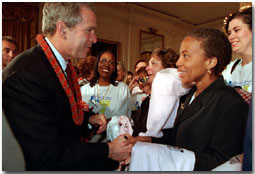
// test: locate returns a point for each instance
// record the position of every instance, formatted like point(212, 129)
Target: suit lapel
point(190, 110)
point(186, 111)
point(184, 103)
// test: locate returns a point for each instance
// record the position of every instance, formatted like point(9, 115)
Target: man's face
point(9, 51)
point(80, 38)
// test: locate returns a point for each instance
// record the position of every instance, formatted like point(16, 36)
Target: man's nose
point(93, 37)
point(11, 54)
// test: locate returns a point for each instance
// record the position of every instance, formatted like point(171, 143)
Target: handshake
point(119, 130)
point(118, 151)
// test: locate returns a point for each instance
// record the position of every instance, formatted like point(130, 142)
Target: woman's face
point(240, 36)
point(192, 61)
point(106, 65)
point(155, 65)
point(121, 73)
point(129, 78)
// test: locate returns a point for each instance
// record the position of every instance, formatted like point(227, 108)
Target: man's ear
point(61, 29)
point(211, 62)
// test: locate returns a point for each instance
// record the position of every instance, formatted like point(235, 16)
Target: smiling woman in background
point(107, 96)
point(239, 30)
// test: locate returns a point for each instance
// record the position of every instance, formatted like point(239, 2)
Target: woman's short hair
point(215, 44)
point(167, 56)
point(96, 73)
point(68, 12)
point(245, 15)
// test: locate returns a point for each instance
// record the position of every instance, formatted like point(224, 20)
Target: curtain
point(20, 20)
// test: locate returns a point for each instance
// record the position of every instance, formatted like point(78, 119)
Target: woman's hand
point(133, 140)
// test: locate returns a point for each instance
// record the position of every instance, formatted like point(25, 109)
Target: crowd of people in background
point(186, 99)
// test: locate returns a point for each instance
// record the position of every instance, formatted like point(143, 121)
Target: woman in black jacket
point(211, 118)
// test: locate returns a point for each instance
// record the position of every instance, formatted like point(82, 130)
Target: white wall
point(122, 22)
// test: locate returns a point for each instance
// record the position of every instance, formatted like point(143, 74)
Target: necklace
point(105, 92)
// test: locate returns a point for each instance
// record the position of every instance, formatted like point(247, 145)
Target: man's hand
point(100, 120)
point(126, 162)
point(118, 152)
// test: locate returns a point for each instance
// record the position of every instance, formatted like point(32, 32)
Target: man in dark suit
point(42, 102)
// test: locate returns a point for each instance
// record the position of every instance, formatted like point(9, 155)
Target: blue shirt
point(60, 59)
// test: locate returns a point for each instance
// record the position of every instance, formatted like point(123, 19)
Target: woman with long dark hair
point(104, 93)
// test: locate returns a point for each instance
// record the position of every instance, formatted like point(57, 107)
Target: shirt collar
point(60, 59)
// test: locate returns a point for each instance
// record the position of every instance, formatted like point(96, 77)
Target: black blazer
point(212, 126)
point(39, 113)
point(140, 117)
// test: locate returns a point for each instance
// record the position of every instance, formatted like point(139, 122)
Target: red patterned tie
point(70, 79)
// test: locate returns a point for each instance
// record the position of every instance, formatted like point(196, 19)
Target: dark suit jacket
point(247, 154)
point(140, 117)
point(212, 126)
point(39, 113)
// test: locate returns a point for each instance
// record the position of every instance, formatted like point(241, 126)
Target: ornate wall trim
point(146, 12)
